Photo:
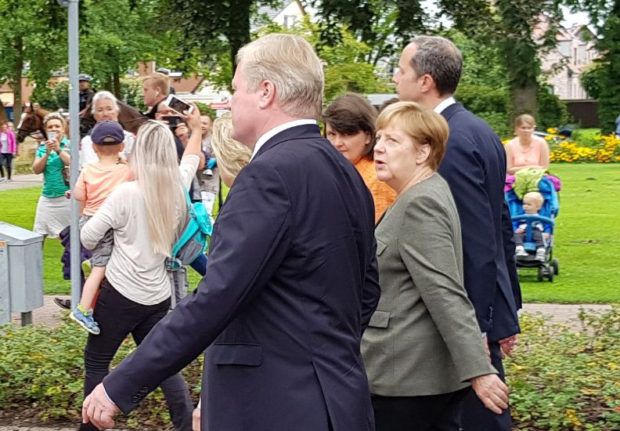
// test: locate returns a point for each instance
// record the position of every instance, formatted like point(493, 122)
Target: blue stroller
point(547, 214)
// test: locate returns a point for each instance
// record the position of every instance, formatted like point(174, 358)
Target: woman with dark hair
point(350, 127)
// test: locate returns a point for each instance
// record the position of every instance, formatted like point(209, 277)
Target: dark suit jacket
point(291, 285)
point(475, 168)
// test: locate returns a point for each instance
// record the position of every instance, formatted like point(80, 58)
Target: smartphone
point(178, 105)
point(51, 136)
point(172, 120)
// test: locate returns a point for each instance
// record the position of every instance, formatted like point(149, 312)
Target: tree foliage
point(383, 25)
point(602, 81)
point(32, 40)
point(345, 71)
point(522, 29)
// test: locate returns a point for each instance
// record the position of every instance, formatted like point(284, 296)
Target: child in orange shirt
point(95, 183)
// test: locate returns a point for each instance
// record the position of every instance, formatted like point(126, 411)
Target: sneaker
point(541, 254)
point(86, 267)
point(85, 320)
point(63, 303)
point(520, 251)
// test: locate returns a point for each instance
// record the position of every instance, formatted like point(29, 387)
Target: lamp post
point(74, 108)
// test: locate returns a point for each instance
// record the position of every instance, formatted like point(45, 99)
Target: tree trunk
point(524, 99)
point(16, 81)
point(238, 33)
point(116, 84)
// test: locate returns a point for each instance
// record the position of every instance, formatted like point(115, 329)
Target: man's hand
point(196, 419)
point(491, 391)
point(508, 344)
point(98, 409)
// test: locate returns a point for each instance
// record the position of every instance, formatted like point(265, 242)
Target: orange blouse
point(533, 155)
point(382, 194)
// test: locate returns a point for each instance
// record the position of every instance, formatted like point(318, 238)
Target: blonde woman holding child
point(95, 183)
point(145, 216)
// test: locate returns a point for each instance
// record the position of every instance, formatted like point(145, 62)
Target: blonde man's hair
point(159, 81)
point(154, 163)
point(536, 197)
point(292, 65)
point(232, 156)
point(423, 125)
point(54, 116)
point(525, 120)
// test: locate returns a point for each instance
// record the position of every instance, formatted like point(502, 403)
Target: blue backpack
point(194, 238)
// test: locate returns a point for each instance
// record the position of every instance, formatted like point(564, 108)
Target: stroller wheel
point(550, 274)
point(555, 264)
point(541, 274)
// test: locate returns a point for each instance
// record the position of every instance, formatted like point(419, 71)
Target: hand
point(508, 344)
point(485, 341)
point(68, 194)
point(491, 391)
point(193, 119)
point(196, 419)
point(98, 409)
point(182, 133)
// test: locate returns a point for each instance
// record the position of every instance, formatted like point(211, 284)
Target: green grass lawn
point(587, 238)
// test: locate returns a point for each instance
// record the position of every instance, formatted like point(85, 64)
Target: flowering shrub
point(563, 379)
point(605, 150)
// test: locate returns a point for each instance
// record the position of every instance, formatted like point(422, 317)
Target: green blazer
point(423, 339)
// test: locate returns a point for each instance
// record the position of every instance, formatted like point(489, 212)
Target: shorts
point(103, 249)
point(52, 216)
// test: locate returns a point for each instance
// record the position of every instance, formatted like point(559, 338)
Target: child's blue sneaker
point(85, 319)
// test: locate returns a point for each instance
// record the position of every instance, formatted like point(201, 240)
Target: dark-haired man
point(475, 168)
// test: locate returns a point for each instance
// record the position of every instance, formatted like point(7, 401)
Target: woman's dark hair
point(349, 114)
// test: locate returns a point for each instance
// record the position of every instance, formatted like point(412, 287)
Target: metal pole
point(74, 108)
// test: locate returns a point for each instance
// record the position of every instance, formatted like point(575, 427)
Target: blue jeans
point(118, 317)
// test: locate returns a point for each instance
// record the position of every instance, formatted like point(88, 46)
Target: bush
point(566, 380)
point(131, 93)
point(42, 373)
point(552, 111)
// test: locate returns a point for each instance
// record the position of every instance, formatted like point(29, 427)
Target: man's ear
point(267, 94)
point(427, 83)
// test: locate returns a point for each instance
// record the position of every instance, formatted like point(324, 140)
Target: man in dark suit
point(475, 168)
point(291, 280)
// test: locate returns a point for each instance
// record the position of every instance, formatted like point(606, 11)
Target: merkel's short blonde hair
point(525, 120)
point(292, 65)
point(423, 125)
point(159, 81)
point(231, 155)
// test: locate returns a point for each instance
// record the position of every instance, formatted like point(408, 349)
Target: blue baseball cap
point(107, 132)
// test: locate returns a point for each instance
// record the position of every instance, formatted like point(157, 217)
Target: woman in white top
point(145, 216)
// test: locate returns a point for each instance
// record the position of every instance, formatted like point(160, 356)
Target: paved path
point(51, 315)
point(22, 181)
